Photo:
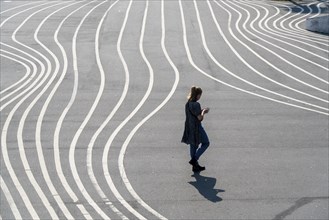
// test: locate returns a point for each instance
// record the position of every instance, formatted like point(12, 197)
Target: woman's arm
point(203, 112)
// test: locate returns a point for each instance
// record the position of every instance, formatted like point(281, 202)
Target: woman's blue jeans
point(197, 151)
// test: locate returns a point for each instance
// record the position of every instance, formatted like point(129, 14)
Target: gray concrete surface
point(101, 139)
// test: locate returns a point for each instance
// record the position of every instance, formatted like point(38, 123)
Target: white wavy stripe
point(39, 147)
point(60, 121)
point(301, 15)
point(296, 29)
point(294, 24)
point(279, 36)
point(135, 129)
point(31, 86)
point(189, 55)
point(268, 62)
point(266, 48)
point(297, 24)
point(24, 160)
point(42, 80)
point(281, 48)
point(140, 104)
point(19, 6)
point(27, 9)
point(272, 52)
point(239, 56)
point(292, 19)
point(10, 199)
point(289, 32)
point(22, 79)
point(108, 144)
point(73, 144)
point(20, 131)
point(272, 32)
point(10, 169)
point(91, 144)
point(264, 31)
point(100, 129)
point(317, 14)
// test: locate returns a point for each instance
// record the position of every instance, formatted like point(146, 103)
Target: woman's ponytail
point(194, 92)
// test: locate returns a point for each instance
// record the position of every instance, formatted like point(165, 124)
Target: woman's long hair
point(194, 92)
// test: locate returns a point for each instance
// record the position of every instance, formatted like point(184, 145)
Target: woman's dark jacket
point(192, 123)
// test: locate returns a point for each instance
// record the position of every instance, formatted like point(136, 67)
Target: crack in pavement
point(299, 203)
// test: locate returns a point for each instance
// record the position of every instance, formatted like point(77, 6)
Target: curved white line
point(11, 171)
point(289, 32)
point(100, 129)
point(290, 18)
point(26, 75)
point(10, 17)
point(82, 126)
point(273, 44)
point(116, 131)
point(140, 104)
point(280, 35)
point(19, 6)
point(239, 56)
point(42, 113)
point(297, 25)
point(10, 199)
point(298, 31)
point(60, 121)
point(227, 84)
point(272, 52)
point(41, 159)
point(31, 86)
point(264, 47)
point(292, 31)
point(132, 133)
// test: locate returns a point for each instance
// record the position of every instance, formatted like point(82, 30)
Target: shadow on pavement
point(205, 185)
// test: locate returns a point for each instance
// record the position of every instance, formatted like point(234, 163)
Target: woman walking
point(194, 134)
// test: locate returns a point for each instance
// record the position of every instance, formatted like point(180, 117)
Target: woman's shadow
point(205, 186)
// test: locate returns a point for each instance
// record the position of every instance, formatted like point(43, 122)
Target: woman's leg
point(193, 150)
point(204, 144)
point(194, 162)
